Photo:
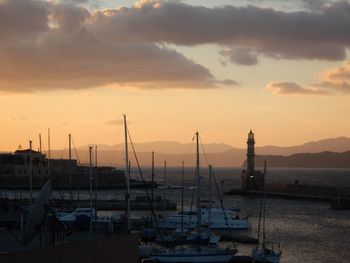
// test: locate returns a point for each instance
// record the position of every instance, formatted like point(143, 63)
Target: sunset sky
point(278, 67)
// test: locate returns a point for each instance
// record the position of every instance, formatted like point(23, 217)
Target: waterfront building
point(17, 163)
point(14, 171)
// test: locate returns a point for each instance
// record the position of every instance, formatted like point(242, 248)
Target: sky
point(280, 68)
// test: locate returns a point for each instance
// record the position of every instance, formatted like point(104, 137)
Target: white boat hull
point(217, 221)
point(232, 224)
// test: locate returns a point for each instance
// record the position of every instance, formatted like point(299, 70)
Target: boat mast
point(199, 219)
point(90, 175)
point(209, 215)
point(260, 215)
point(264, 206)
point(70, 166)
point(164, 188)
point(152, 193)
point(49, 151)
point(182, 197)
point(40, 150)
point(127, 175)
point(96, 181)
point(30, 175)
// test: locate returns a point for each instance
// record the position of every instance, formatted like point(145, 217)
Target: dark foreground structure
point(119, 248)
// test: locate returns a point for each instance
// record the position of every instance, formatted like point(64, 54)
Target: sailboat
point(127, 176)
point(194, 252)
point(262, 253)
point(213, 218)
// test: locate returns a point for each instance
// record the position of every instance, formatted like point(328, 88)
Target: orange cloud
point(294, 88)
point(336, 79)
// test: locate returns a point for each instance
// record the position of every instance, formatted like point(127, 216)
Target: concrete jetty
point(299, 191)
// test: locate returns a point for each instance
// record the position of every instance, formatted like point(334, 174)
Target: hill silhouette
point(332, 152)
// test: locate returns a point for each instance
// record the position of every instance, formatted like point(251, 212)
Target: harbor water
point(308, 231)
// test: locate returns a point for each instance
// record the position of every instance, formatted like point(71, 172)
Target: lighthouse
point(252, 180)
point(250, 154)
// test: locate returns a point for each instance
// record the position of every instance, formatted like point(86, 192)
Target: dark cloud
point(240, 55)
point(22, 20)
point(315, 5)
point(296, 35)
point(294, 88)
point(55, 47)
point(228, 82)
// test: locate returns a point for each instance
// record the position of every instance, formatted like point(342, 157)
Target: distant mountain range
point(307, 160)
point(333, 152)
point(338, 145)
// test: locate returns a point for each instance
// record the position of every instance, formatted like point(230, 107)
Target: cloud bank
point(331, 81)
point(321, 34)
point(63, 45)
point(336, 79)
point(293, 88)
point(46, 46)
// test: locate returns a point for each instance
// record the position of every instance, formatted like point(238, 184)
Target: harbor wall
point(121, 248)
point(79, 181)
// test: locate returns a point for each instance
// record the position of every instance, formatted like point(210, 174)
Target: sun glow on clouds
point(293, 88)
point(331, 81)
point(337, 79)
point(63, 45)
point(70, 62)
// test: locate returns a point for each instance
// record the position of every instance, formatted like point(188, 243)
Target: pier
point(337, 195)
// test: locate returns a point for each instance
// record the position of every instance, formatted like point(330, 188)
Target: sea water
point(308, 231)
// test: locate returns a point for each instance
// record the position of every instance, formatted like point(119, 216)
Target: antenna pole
point(30, 175)
point(40, 142)
point(70, 167)
point(127, 175)
point(90, 174)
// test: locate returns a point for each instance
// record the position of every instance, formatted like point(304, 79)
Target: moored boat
point(217, 220)
point(196, 252)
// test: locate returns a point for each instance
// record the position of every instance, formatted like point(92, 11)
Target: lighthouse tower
point(252, 180)
point(250, 154)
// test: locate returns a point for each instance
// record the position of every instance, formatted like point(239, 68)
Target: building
point(17, 164)
point(65, 173)
point(252, 180)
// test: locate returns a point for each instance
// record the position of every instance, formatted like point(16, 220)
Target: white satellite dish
point(37, 214)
